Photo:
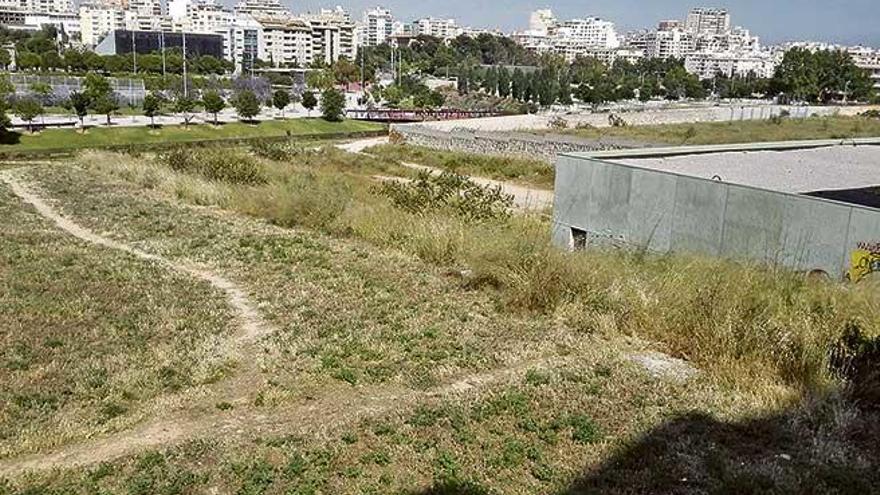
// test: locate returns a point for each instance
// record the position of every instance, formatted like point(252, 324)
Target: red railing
point(401, 115)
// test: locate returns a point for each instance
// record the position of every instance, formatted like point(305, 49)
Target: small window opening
point(578, 239)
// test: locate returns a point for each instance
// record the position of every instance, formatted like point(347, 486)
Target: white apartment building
point(867, 59)
point(542, 21)
point(39, 6)
point(446, 29)
point(262, 8)
point(707, 21)
point(376, 28)
point(146, 7)
point(96, 21)
point(675, 43)
point(284, 42)
point(205, 17)
point(707, 65)
point(343, 35)
point(241, 42)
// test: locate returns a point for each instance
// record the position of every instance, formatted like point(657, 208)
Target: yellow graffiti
point(862, 263)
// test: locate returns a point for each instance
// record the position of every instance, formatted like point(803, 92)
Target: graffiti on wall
point(864, 261)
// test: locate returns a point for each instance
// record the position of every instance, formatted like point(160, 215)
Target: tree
point(490, 81)
point(309, 101)
point(332, 105)
point(185, 106)
point(503, 82)
point(320, 79)
point(5, 58)
point(151, 105)
point(80, 104)
point(565, 89)
point(96, 86)
point(517, 85)
point(43, 91)
point(106, 105)
point(247, 105)
point(213, 103)
point(28, 109)
point(280, 100)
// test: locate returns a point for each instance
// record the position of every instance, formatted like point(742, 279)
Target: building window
point(578, 239)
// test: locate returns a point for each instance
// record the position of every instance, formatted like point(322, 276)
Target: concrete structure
point(740, 201)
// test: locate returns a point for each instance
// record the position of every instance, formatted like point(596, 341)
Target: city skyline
point(846, 22)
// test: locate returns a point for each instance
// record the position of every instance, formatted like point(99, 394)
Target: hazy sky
point(843, 21)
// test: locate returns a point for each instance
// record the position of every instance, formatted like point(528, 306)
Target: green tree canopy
point(247, 104)
point(213, 103)
point(332, 104)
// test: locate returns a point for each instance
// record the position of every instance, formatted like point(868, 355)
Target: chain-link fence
point(128, 91)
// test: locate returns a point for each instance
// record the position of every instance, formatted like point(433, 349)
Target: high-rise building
point(333, 35)
point(262, 8)
point(376, 28)
point(675, 43)
point(285, 41)
point(440, 28)
point(707, 21)
point(96, 20)
point(542, 21)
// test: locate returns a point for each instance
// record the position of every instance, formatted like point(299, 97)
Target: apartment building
point(445, 29)
point(284, 42)
point(96, 20)
point(376, 28)
point(707, 65)
point(706, 21)
point(262, 8)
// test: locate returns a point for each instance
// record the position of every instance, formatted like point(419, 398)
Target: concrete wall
point(533, 146)
point(620, 205)
point(649, 116)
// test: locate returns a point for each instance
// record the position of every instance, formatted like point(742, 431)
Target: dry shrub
point(220, 164)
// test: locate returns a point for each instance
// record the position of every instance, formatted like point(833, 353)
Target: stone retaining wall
point(535, 146)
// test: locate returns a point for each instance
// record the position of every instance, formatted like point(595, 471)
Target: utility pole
point(184, 64)
point(162, 44)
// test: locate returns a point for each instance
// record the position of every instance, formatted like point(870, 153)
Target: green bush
point(278, 151)
point(448, 191)
point(215, 164)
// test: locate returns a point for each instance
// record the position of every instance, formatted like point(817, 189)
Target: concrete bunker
point(811, 206)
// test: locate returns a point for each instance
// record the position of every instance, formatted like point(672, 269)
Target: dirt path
point(361, 144)
point(252, 326)
point(525, 198)
point(333, 410)
point(330, 413)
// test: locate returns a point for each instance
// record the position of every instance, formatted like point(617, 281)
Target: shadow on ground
point(825, 447)
point(9, 137)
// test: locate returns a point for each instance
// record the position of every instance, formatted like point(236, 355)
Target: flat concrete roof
point(791, 169)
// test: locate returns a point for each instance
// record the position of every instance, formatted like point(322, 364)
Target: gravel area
point(796, 171)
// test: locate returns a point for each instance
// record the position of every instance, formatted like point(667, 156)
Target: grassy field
point(518, 170)
point(740, 132)
point(64, 139)
point(415, 347)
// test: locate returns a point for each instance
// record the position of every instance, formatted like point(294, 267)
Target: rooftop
point(848, 172)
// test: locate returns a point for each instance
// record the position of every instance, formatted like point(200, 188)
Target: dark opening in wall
point(867, 196)
point(578, 239)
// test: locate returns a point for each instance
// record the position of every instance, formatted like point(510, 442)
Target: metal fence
point(128, 91)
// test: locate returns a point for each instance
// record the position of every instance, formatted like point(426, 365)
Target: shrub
point(332, 105)
point(558, 123)
point(278, 151)
point(449, 191)
point(215, 164)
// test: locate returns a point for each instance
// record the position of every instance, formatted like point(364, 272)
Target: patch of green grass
point(96, 137)
point(92, 334)
point(748, 131)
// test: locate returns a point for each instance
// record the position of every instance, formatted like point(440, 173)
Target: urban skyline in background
point(846, 22)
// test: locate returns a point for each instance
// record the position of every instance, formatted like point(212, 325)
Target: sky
point(838, 21)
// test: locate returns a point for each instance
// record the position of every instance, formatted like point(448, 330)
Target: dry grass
point(741, 322)
point(370, 295)
point(534, 173)
point(741, 132)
